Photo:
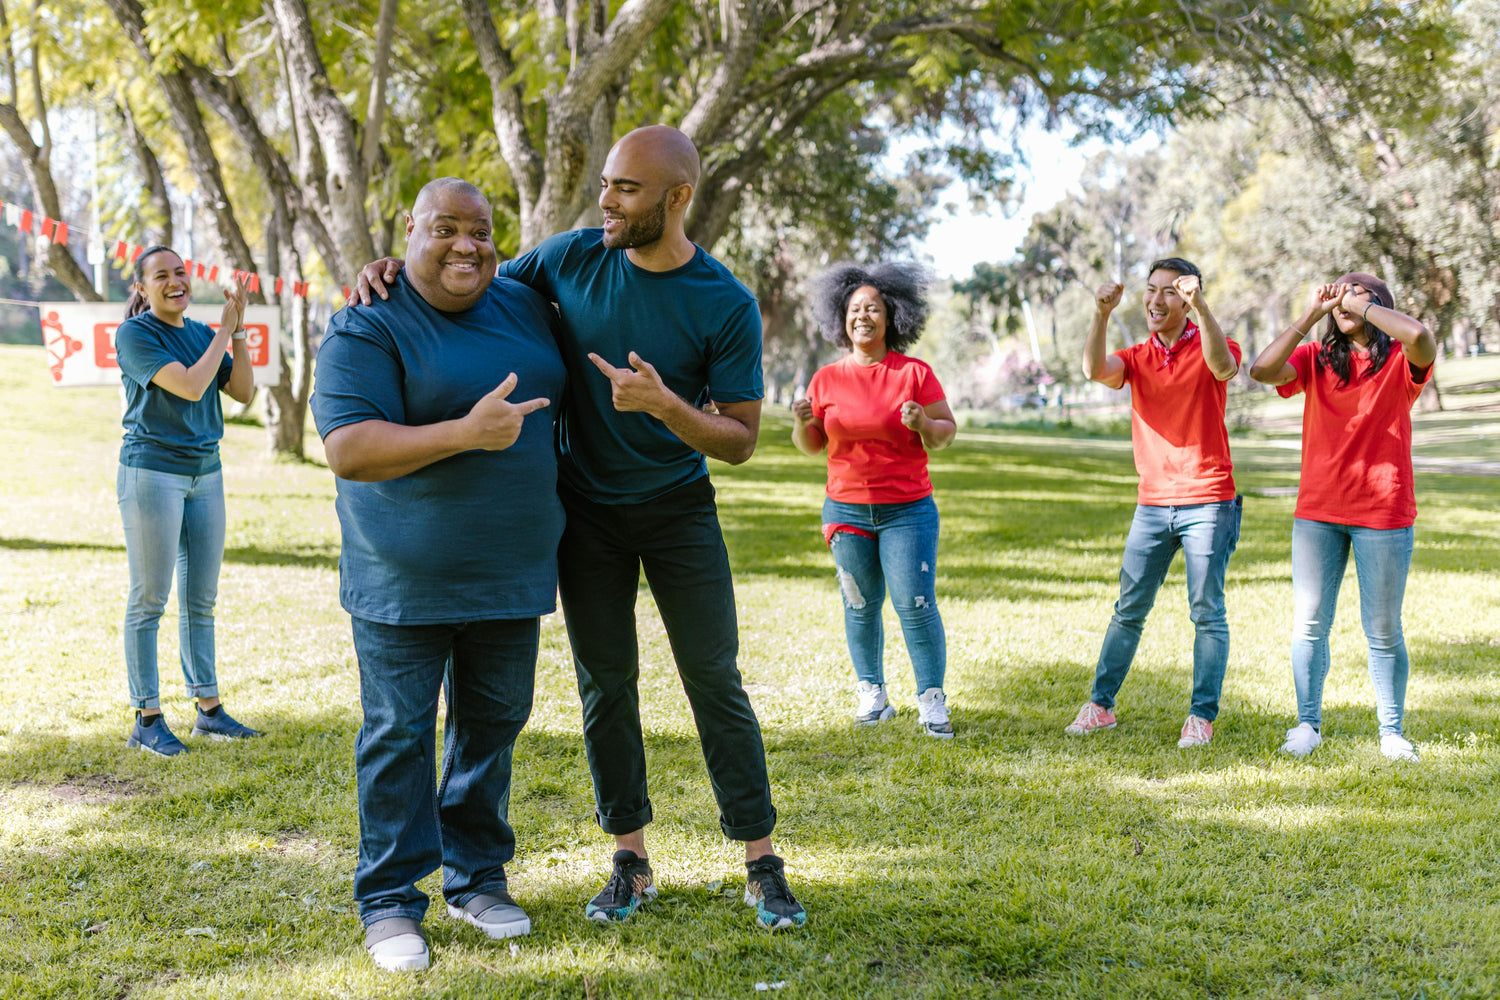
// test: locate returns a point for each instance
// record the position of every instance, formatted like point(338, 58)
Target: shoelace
point(773, 886)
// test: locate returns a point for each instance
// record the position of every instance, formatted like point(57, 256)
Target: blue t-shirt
point(472, 537)
point(696, 324)
point(163, 431)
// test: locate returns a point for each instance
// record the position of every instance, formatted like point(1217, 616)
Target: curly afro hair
point(903, 287)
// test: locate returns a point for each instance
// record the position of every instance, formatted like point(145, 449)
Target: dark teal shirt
point(163, 431)
point(696, 324)
point(472, 537)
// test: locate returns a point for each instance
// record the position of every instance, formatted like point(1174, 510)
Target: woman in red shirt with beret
point(1356, 492)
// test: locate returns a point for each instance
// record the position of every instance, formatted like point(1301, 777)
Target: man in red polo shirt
point(1186, 499)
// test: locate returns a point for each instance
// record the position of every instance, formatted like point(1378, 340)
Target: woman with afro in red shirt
point(878, 413)
point(1356, 493)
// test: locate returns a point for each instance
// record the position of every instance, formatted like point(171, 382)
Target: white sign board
point(80, 339)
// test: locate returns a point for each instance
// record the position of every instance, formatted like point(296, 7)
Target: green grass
point(1011, 862)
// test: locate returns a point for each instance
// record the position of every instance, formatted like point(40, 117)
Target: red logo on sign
point(60, 347)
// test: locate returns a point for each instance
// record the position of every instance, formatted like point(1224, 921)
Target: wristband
point(1364, 317)
point(240, 334)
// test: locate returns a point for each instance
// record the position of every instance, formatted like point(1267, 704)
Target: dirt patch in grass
point(91, 789)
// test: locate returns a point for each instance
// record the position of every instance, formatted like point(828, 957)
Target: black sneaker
point(767, 891)
point(629, 885)
point(222, 726)
point(155, 738)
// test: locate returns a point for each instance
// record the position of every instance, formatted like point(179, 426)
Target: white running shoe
point(1397, 747)
point(1301, 740)
point(871, 707)
point(932, 714)
point(396, 944)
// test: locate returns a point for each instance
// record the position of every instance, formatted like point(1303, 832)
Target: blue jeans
point(1320, 552)
point(903, 557)
point(1207, 534)
point(487, 671)
point(171, 521)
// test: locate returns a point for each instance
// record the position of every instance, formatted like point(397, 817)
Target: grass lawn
point(1010, 862)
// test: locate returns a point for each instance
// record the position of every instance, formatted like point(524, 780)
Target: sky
point(960, 240)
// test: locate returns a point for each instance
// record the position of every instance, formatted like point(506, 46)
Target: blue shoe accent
point(630, 884)
point(222, 727)
point(767, 891)
point(155, 738)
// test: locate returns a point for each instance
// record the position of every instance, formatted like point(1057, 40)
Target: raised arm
point(1270, 366)
point(373, 451)
point(1098, 364)
point(1216, 353)
point(191, 382)
point(1418, 343)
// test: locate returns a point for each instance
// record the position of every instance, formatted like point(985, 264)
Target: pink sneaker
point(1091, 719)
point(1196, 732)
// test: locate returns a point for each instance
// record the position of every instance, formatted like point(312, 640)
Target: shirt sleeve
point(533, 268)
point(1303, 358)
point(359, 375)
point(734, 371)
point(140, 351)
point(1414, 385)
point(929, 389)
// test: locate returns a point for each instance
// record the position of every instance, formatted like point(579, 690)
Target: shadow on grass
point(245, 554)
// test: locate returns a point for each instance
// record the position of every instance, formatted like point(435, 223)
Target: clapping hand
point(1326, 298)
point(234, 308)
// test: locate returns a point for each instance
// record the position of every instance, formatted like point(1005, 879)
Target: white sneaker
point(871, 707)
point(932, 714)
point(1301, 740)
point(1397, 747)
point(396, 945)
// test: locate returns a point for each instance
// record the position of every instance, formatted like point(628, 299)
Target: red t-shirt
point(872, 456)
point(1177, 422)
point(1356, 441)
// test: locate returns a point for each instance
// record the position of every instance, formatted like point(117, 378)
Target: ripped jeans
point(890, 545)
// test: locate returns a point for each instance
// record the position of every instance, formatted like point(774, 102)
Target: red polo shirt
point(1356, 440)
point(1177, 422)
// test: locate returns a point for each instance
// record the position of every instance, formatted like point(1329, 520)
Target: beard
point(639, 232)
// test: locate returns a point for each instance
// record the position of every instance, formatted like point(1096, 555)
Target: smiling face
point(450, 257)
point(165, 285)
point(633, 195)
point(1352, 323)
point(1166, 310)
point(865, 319)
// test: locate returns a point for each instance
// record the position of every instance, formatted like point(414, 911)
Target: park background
point(1286, 143)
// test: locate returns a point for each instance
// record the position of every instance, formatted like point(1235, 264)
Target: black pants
point(677, 539)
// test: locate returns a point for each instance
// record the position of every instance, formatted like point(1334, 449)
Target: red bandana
point(1189, 331)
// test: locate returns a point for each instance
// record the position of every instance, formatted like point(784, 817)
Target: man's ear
point(411, 224)
point(681, 196)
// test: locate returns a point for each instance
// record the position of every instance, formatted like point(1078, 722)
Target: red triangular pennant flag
point(200, 269)
point(346, 293)
point(254, 283)
point(120, 252)
point(213, 274)
point(61, 236)
point(47, 226)
point(279, 285)
point(135, 251)
point(26, 220)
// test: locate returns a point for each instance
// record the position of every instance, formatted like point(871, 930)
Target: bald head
point(441, 187)
point(672, 154)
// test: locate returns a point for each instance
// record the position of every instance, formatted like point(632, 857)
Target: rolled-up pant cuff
point(617, 826)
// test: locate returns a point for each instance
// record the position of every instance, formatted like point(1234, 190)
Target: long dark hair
point(137, 303)
point(1335, 347)
point(903, 288)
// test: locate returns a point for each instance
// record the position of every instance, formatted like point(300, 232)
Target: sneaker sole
point(886, 713)
point(1188, 744)
point(1080, 731)
point(935, 735)
point(516, 928)
point(135, 745)
point(778, 924)
point(603, 916)
point(405, 963)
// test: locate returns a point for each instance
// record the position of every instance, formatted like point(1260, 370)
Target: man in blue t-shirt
point(447, 501)
point(652, 331)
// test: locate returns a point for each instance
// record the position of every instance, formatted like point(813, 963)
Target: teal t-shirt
point(696, 324)
point(472, 537)
point(163, 431)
